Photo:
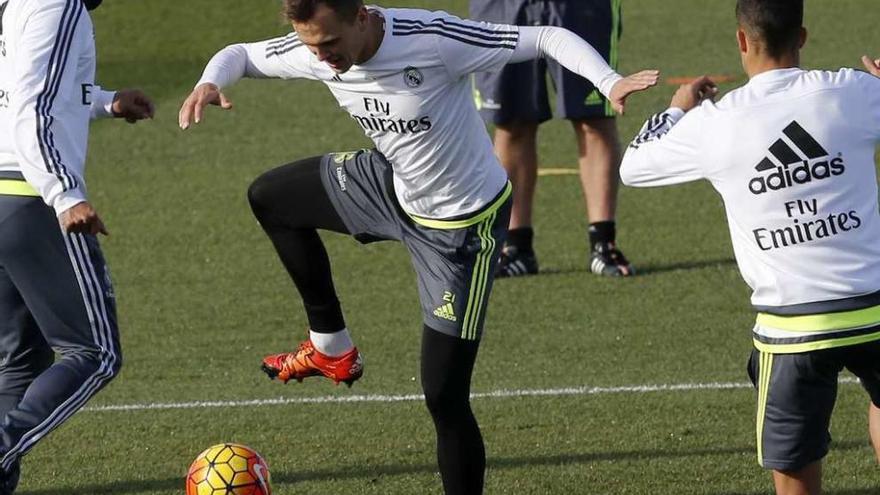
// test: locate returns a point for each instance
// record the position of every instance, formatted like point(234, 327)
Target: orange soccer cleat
point(307, 361)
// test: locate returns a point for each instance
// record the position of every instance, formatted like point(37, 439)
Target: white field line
point(496, 394)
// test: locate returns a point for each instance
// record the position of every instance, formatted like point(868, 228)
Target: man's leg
point(24, 353)
point(864, 362)
point(598, 22)
point(599, 163)
point(515, 145)
point(515, 100)
point(806, 481)
point(291, 203)
point(455, 269)
point(796, 396)
point(447, 364)
point(63, 280)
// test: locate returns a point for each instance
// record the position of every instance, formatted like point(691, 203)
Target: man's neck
point(376, 32)
point(766, 64)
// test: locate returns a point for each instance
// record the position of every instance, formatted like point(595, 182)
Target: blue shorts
point(519, 91)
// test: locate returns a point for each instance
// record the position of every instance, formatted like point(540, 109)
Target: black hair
point(776, 24)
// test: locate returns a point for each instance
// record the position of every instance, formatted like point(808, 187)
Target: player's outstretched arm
point(280, 58)
point(193, 107)
point(872, 65)
point(668, 149)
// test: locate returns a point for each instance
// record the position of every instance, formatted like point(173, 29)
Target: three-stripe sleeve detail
point(54, 74)
point(655, 128)
point(283, 45)
point(459, 31)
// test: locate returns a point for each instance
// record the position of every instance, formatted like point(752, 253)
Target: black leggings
point(291, 203)
point(447, 364)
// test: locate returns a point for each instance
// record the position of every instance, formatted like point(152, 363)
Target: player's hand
point(82, 218)
point(872, 65)
point(690, 95)
point(630, 84)
point(194, 106)
point(133, 105)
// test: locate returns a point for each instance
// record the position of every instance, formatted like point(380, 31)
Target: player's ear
point(803, 38)
point(742, 40)
point(362, 18)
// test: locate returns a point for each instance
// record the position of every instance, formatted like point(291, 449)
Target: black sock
point(521, 238)
point(447, 364)
point(602, 232)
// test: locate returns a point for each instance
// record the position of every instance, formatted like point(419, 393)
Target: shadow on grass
point(649, 269)
point(684, 265)
point(374, 472)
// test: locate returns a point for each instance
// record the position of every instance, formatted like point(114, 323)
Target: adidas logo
point(807, 169)
point(446, 312)
point(594, 98)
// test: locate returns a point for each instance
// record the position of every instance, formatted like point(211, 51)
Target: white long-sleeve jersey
point(48, 95)
point(792, 155)
point(414, 100)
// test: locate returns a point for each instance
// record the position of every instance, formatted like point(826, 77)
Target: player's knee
point(518, 131)
point(446, 402)
point(114, 360)
point(259, 194)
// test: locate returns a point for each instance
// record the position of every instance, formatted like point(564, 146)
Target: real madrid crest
point(413, 77)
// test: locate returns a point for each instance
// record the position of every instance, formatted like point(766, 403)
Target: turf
point(202, 297)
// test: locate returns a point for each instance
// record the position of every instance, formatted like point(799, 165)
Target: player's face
point(335, 41)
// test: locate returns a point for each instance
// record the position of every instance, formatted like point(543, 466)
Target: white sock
point(332, 344)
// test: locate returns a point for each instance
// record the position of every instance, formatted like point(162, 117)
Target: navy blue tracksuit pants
point(56, 298)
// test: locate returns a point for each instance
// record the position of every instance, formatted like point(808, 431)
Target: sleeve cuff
point(604, 86)
point(67, 200)
point(675, 113)
point(102, 104)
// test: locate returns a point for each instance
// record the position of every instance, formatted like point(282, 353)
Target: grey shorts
point(796, 395)
point(519, 92)
point(454, 259)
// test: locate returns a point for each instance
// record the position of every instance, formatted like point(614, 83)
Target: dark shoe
point(515, 263)
point(9, 479)
point(609, 261)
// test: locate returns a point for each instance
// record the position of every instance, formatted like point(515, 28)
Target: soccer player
point(792, 155)
point(515, 99)
point(55, 290)
point(432, 183)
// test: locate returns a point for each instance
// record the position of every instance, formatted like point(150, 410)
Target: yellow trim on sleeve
point(17, 188)
point(467, 222)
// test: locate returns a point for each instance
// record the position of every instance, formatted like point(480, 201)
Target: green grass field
point(202, 296)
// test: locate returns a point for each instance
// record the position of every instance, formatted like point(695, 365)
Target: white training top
point(792, 155)
point(414, 99)
point(48, 95)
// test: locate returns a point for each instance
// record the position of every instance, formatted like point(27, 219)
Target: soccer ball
point(228, 469)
